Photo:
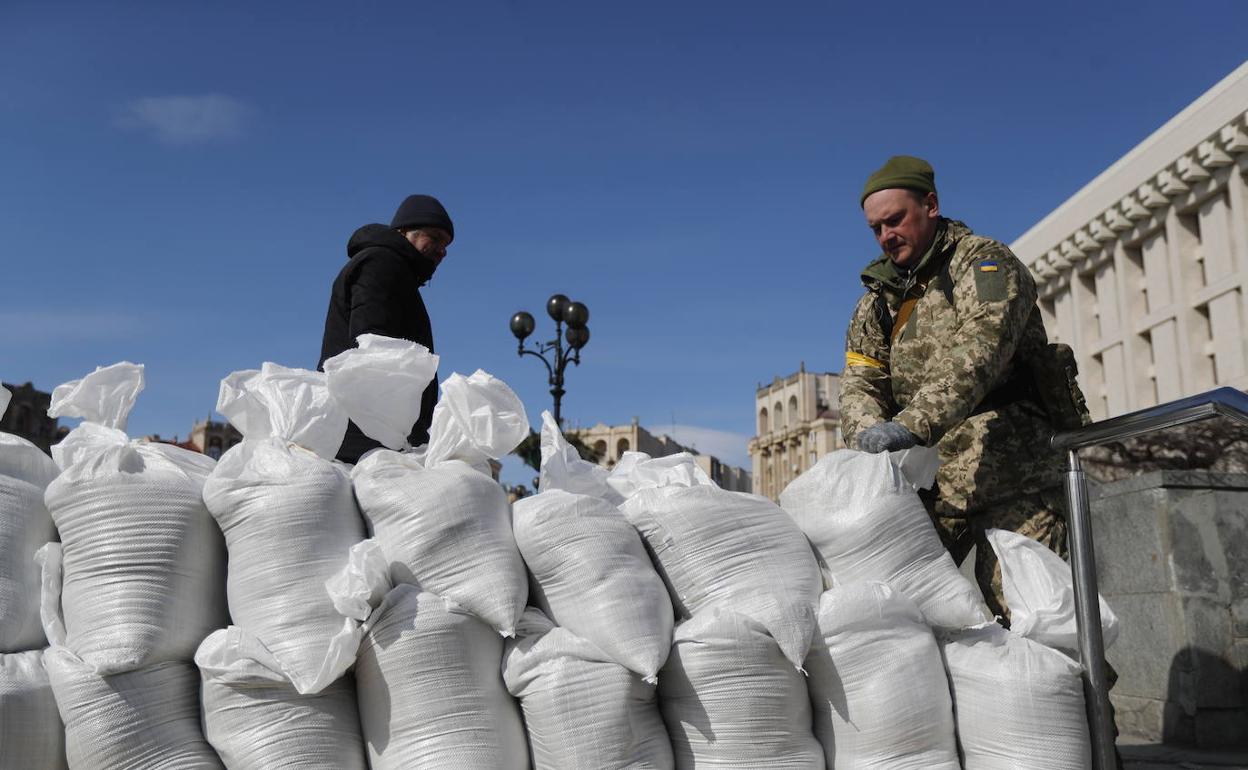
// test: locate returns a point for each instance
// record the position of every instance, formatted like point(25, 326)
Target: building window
point(1191, 255)
point(777, 417)
point(793, 415)
point(621, 447)
point(762, 421)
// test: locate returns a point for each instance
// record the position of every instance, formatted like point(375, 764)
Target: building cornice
point(1173, 166)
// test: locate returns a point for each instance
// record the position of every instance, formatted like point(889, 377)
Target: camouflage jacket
point(951, 375)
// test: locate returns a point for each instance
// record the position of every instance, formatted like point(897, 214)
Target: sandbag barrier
point(400, 613)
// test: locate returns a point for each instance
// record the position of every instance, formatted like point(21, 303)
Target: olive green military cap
point(904, 171)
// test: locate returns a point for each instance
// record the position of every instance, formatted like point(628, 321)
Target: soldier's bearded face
point(904, 223)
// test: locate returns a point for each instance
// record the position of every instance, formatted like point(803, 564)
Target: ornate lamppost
point(563, 311)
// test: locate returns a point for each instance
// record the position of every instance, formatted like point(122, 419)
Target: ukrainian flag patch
point(988, 266)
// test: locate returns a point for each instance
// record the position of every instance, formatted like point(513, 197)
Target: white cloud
point(185, 120)
point(725, 445)
point(41, 327)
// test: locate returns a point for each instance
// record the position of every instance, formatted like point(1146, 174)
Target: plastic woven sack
point(256, 720)
point(862, 513)
point(581, 708)
point(147, 719)
point(25, 525)
point(730, 699)
point(431, 691)
point(592, 571)
point(1018, 704)
point(289, 519)
point(1040, 592)
point(143, 566)
point(563, 468)
point(877, 684)
point(441, 521)
point(727, 549)
point(379, 385)
point(31, 734)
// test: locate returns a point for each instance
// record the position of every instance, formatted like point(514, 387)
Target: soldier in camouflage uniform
point(937, 354)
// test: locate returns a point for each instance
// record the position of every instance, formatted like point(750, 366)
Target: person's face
point(430, 241)
point(904, 223)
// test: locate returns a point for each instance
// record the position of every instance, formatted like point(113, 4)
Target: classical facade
point(27, 416)
point(1143, 271)
point(798, 422)
point(213, 438)
point(610, 442)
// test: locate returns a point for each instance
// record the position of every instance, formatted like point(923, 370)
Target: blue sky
point(180, 179)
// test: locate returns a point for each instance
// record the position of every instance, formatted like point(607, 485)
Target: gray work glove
point(886, 437)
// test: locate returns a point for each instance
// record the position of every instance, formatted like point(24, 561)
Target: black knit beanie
point(422, 211)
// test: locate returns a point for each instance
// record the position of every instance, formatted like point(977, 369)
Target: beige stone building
point(798, 422)
point(1143, 271)
point(610, 442)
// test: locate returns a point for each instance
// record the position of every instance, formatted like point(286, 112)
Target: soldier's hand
point(886, 437)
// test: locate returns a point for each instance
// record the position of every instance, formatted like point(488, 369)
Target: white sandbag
point(25, 525)
point(379, 384)
point(729, 549)
point(147, 719)
point(1040, 592)
point(877, 684)
point(581, 708)
point(443, 522)
point(256, 720)
point(1018, 704)
point(31, 734)
point(591, 568)
point(730, 699)
point(289, 519)
point(143, 570)
point(431, 691)
point(862, 513)
point(562, 467)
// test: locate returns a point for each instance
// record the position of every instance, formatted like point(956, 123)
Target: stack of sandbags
point(863, 515)
point(135, 584)
point(1018, 699)
point(587, 686)
point(731, 699)
point(429, 677)
point(715, 548)
point(581, 707)
point(590, 568)
point(877, 684)
point(289, 517)
point(31, 734)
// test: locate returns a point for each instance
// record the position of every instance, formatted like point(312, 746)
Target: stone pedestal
point(1172, 561)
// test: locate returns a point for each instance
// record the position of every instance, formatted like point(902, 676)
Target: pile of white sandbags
point(585, 664)
point(275, 688)
point(134, 585)
point(1017, 696)
point(31, 734)
point(429, 678)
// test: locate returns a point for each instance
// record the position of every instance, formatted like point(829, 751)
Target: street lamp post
point(563, 311)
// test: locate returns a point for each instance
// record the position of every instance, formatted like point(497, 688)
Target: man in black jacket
point(379, 292)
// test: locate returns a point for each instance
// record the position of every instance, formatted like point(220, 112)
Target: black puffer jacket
point(378, 292)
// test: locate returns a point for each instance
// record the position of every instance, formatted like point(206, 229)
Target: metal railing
point(1225, 402)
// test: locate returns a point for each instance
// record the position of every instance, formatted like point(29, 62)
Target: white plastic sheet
point(727, 549)
point(256, 720)
point(563, 468)
point(379, 384)
point(31, 734)
point(147, 719)
point(289, 519)
point(1040, 592)
point(25, 525)
point(877, 684)
point(590, 565)
point(1018, 704)
point(442, 522)
point(730, 699)
point(863, 515)
point(143, 563)
point(431, 691)
point(581, 709)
